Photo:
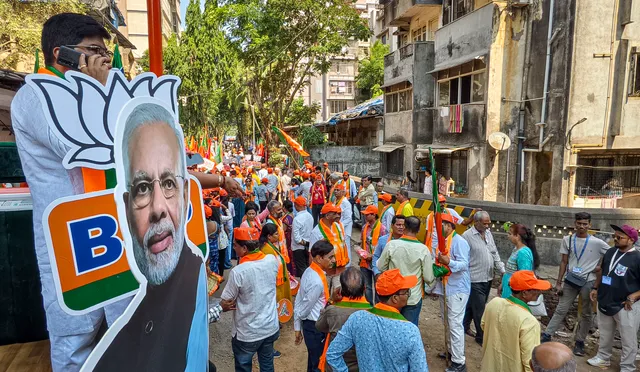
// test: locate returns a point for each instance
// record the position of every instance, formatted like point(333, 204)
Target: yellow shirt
point(407, 210)
point(510, 334)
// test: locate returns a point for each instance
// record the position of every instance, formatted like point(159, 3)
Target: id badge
point(577, 270)
point(606, 280)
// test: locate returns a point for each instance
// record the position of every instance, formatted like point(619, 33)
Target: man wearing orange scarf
point(312, 297)
point(372, 230)
point(384, 340)
point(352, 288)
point(72, 337)
point(330, 228)
point(251, 294)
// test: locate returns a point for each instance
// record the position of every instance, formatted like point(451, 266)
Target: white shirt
point(286, 183)
point(41, 154)
point(262, 173)
point(315, 236)
point(302, 227)
point(347, 216)
point(387, 217)
point(232, 212)
point(253, 286)
point(428, 186)
point(309, 300)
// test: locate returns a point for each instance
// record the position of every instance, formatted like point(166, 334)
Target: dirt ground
point(294, 357)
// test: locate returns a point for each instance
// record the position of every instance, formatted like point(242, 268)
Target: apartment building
point(137, 27)
point(560, 79)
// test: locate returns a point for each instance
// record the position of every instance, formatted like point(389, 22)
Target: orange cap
point(269, 170)
point(296, 172)
point(449, 218)
point(330, 207)
point(345, 173)
point(300, 200)
point(391, 281)
point(223, 192)
point(339, 186)
point(385, 197)
point(264, 180)
point(372, 209)
point(207, 211)
point(308, 166)
point(326, 164)
point(441, 198)
point(305, 175)
point(246, 233)
point(215, 203)
point(523, 280)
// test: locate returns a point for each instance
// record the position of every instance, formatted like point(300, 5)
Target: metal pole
point(520, 157)
point(154, 21)
point(506, 192)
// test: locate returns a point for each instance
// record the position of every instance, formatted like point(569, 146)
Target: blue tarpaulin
point(372, 107)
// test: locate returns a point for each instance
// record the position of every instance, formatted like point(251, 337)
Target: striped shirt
point(484, 256)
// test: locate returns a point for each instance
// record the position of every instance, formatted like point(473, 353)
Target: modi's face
point(156, 200)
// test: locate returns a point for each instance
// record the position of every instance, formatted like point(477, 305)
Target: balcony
point(399, 65)
point(400, 12)
point(473, 130)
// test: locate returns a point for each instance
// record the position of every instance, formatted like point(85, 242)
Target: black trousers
point(475, 307)
point(315, 212)
point(301, 261)
point(222, 255)
point(314, 340)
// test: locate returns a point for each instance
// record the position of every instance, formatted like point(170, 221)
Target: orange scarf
point(335, 236)
point(428, 237)
point(282, 245)
point(255, 224)
point(447, 251)
point(357, 303)
point(315, 267)
point(370, 248)
point(253, 256)
point(280, 279)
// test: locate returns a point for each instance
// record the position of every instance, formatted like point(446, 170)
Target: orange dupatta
point(315, 267)
point(335, 236)
point(375, 235)
point(280, 279)
point(253, 256)
point(282, 245)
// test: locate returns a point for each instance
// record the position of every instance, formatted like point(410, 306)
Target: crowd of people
point(391, 271)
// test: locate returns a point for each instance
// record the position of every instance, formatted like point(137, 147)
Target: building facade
point(137, 28)
point(558, 78)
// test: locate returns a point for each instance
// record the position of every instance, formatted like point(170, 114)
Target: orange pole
point(154, 19)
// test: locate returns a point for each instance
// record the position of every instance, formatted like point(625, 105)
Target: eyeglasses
point(95, 49)
point(407, 293)
point(619, 237)
point(142, 191)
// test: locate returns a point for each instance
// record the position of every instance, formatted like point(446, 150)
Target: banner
point(146, 237)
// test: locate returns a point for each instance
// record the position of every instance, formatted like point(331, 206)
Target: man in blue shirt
point(384, 340)
point(397, 230)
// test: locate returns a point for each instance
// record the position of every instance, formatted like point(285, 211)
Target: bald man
point(552, 356)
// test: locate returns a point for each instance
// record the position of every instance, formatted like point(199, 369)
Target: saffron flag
point(290, 141)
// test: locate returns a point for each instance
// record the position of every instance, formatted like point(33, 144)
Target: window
point(341, 87)
point(454, 9)
point(396, 101)
point(433, 27)
point(383, 39)
point(337, 106)
point(403, 40)
point(454, 165)
point(420, 34)
point(462, 84)
point(634, 73)
point(395, 162)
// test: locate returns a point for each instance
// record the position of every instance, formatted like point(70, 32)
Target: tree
point(282, 43)
point(371, 70)
point(301, 114)
point(21, 27)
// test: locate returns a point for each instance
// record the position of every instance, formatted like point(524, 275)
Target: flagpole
point(154, 21)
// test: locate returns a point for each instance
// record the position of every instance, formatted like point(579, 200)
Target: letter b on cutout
point(94, 242)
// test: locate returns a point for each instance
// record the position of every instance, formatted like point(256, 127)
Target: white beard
point(157, 268)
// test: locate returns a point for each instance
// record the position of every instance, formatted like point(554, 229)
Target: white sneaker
point(638, 356)
point(597, 362)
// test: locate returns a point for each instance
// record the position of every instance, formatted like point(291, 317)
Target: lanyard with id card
point(578, 269)
point(606, 279)
point(574, 278)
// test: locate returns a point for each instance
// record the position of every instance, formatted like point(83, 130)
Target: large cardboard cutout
point(147, 237)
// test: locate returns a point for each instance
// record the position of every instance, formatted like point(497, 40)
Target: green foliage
point(300, 114)
point(282, 43)
point(309, 135)
point(143, 62)
point(211, 92)
point(371, 70)
point(275, 157)
point(21, 27)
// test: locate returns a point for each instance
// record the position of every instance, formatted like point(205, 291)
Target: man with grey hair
point(552, 357)
point(483, 260)
point(167, 330)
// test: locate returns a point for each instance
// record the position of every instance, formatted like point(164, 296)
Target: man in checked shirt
point(483, 259)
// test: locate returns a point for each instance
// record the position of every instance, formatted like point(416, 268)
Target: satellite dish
point(499, 141)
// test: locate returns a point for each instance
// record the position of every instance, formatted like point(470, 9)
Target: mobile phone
point(68, 57)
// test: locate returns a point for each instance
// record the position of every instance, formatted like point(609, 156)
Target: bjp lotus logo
point(75, 122)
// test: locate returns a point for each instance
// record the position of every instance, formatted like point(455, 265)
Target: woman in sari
point(523, 257)
point(269, 239)
point(287, 226)
point(251, 216)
